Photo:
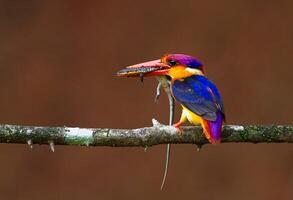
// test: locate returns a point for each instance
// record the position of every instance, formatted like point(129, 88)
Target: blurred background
point(58, 61)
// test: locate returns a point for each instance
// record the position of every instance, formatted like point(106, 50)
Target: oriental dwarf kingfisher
point(199, 97)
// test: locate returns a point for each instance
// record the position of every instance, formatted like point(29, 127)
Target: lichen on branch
point(144, 137)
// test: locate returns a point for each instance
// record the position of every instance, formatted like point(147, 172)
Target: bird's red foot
point(177, 126)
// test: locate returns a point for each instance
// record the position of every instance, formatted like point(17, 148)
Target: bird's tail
point(213, 129)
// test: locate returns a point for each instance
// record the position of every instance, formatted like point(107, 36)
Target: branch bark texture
point(144, 137)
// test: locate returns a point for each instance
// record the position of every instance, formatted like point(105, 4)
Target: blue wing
point(199, 95)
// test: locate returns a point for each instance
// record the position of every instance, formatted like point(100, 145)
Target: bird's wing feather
point(199, 95)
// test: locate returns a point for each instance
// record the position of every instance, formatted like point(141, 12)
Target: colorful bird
point(199, 97)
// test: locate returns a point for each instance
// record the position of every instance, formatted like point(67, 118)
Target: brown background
point(57, 66)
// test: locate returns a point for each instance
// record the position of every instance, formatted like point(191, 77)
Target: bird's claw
point(179, 131)
point(178, 128)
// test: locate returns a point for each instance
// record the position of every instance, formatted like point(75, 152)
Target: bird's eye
point(172, 62)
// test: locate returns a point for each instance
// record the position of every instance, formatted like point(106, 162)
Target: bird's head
point(177, 66)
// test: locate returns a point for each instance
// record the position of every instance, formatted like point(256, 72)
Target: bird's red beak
point(150, 68)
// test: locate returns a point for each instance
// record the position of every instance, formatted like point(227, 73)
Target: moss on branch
point(144, 137)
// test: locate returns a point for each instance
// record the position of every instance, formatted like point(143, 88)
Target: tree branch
point(144, 137)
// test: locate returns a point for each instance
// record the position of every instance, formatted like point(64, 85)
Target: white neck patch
point(194, 71)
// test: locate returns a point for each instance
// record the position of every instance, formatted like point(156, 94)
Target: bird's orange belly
point(191, 117)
